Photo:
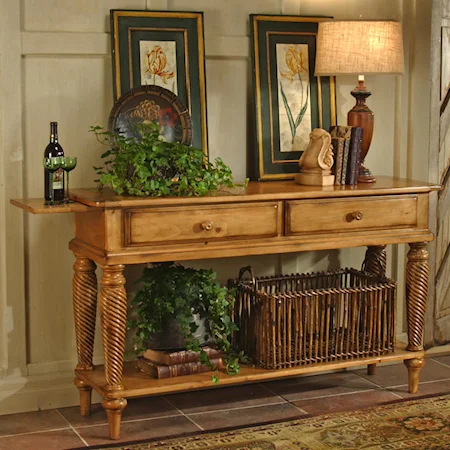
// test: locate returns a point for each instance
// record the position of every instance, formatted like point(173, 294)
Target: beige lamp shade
point(359, 47)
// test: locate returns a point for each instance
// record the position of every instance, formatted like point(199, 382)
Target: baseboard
point(440, 350)
point(402, 337)
point(62, 366)
point(37, 392)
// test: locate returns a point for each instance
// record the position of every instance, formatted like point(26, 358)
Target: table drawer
point(340, 215)
point(201, 223)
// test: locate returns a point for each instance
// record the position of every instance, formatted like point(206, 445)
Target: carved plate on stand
point(151, 103)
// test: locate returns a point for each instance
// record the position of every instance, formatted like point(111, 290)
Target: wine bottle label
point(58, 179)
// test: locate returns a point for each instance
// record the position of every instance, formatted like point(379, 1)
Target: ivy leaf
point(167, 291)
point(144, 165)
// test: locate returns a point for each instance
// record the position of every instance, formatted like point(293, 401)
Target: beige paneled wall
point(57, 65)
point(12, 284)
point(227, 124)
point(80, 16)
point(75, 91)
point(350, 9)
point(227, 17)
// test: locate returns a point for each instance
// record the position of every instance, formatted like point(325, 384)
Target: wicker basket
point(292, 320)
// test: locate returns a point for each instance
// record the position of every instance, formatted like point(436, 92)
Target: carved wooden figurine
point(317, 160)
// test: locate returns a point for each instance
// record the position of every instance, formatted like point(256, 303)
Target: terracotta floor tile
point(430, 388)
point(137, 408)
point(302, 388)
point(141, 429)
point(345, 402)
point(48, 440)
point(223, 398)
point(31, 421)
point(245, 416)
point(397, 374)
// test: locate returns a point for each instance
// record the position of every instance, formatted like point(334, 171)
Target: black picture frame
point(180, 32)
point(293, 37)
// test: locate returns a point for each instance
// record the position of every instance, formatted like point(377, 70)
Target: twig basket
point(292, 320)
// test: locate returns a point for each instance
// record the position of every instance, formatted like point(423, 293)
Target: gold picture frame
point(289, 101)
point(172, 45)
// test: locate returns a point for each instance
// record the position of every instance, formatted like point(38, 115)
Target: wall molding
point(290, 7)
point(161, 5)
point(12, 303)
point(61, 43)
point(3, 262)
point(98, 44)
point(227, 47)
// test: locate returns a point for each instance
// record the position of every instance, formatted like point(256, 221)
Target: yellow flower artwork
point(294, 104)
point(159, 64)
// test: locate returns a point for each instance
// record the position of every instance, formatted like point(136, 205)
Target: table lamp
point(360, 48)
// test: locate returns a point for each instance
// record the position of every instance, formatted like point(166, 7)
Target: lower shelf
point(137, 383)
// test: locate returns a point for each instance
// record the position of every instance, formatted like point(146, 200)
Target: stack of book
point(168, 364)
point(346, 141)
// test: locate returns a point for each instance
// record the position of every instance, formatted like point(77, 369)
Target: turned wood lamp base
point(361, 116)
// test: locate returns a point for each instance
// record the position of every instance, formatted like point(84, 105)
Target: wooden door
point(438, 316)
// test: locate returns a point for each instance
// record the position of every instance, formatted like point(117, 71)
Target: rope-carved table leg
point(375, 259)
point(375, 262)
point(113, 315)
point(84, 291)
point(417, 274)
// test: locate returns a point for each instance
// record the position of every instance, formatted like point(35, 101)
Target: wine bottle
point(52, 150)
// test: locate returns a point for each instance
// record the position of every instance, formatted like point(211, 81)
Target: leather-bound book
point(175, 370)
point(180, 357)
point(354, 155)
point(338, 151)
point(344, 132)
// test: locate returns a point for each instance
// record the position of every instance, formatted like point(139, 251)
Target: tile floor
point(170, 415)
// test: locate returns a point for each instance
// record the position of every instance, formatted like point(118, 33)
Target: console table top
point(85, 199)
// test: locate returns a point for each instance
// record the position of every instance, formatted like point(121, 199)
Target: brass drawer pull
point(356, 215)
point(207, 225)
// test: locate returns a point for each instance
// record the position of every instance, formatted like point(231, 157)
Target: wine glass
point(68, 163)
point(51, 165)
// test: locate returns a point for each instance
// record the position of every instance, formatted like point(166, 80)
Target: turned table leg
point(84, 291)
point(113, 315)
point(414, 366)
point(375, 262)
point(371, 369)
point(417, 274)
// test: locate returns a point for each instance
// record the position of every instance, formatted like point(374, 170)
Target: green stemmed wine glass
point(68, 163)
point(51, 165)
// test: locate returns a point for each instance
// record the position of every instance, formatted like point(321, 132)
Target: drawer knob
point(207, 225)
point(356, 215)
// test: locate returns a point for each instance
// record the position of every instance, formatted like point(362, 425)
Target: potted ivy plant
point(145, 165)
point(168, 293)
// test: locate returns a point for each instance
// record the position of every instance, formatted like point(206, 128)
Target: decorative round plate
point(152, 103)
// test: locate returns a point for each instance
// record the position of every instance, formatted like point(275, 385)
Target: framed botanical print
point(166, 49)
point(289, 100)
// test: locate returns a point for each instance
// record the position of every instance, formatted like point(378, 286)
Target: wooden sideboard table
point(267, 218)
